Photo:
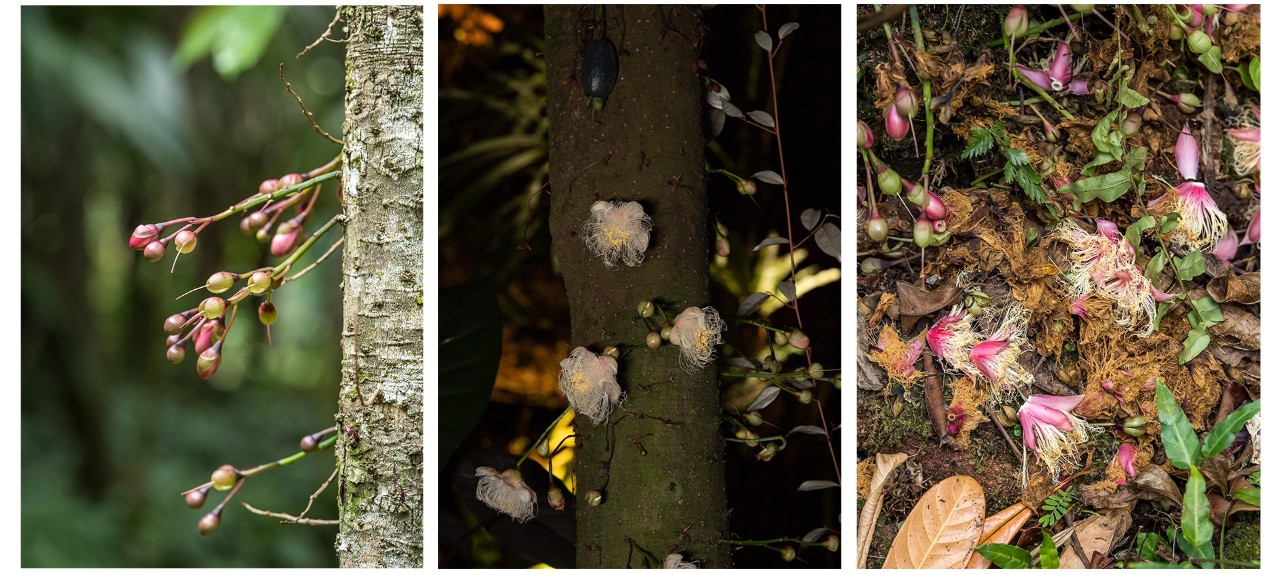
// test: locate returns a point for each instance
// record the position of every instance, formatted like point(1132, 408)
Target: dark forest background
point(120, 128)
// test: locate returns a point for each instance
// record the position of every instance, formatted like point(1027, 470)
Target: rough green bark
point(379, 452)
point(659, 461)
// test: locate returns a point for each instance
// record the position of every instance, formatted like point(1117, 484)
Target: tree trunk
point(659, 460)
point(379, 451)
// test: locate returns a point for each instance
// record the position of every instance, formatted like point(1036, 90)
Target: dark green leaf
point(1030, 183)
point(1255, 73)
point(1212, 59)
point(1246, 76)
point(1107, 187)
point(1180, 443)
point(1018, 157)
point(1250, 495)
point(1048, 552)
point(1195, 510)
point(1193, 344)
point(1161, 309)
point(1225, 431)
point(1208, 310)
point(1149, 545)
point(1005, 556)
point(1190, 266)
point(1169, 221)
point(1106, 138)
point(1134, 232)
point(979, 143)
point(1099, 160)
point(1156, 265)
point(1130, 98)
point(470, 347)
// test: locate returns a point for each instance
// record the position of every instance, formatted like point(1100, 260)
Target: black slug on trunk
point(599, 71)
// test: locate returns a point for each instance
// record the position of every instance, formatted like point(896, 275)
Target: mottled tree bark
point(659, 460)
point(379, 452)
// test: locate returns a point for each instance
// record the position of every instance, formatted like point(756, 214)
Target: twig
point(310, 116)
point(311, 500)
point(286, 518)
point(337, 15)
point(877, 18)
point(315, 263)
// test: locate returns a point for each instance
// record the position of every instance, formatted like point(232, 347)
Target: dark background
point(493, 212)
point(117, 132)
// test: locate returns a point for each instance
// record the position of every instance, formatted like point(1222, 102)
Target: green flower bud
point(653, 340)
point(890, 182)
point(173, 324)
point(1199, 42)
point(645, 308)
point(788, 554)
point(1136, 426)
point(594, 498)
point(267, 313)
point(220, 282)
point(805, 397)
point(259, 282)
point(225, 477)
point(185, 241)
point(213, 307)
point(611, 351)
point(814, 371)
point(753, 418)
point(665, 333)
point(832, 543)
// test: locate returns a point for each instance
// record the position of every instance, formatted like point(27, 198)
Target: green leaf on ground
point(1134, 232)
point(1192, 345)
point(1048, 552)
point(1180, 443)
point(1195, 511)
point(1225, 431)
point(1005, 556)
point(1190, 266)
point(1107, 187)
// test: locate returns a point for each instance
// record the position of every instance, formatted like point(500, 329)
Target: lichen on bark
point(380, 420)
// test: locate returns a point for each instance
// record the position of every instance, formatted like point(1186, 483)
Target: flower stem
point(542, 437)
point(302, 249)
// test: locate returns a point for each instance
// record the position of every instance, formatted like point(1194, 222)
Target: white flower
point(697, 332)
point(590, 382)
point(618, 231)
point(506, 492)
point(676, 561)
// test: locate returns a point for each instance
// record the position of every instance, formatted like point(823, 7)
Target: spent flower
point(618, 231)
point(1052, 431)
point(997, 357)
point(507, 493)
point(590, 382)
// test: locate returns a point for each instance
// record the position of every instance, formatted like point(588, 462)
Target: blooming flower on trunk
point(997, 358)
point(590, 382)
point(697, 332)
point(1051, 430)
point(507, 493)
point(618, 231)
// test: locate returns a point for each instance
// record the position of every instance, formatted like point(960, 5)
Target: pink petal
point(1058, 402)
point(1037, 77)
point(983, 353)
point(1108, 229)
point(1227, 246)
point(1047, 416)
point(1080, 86)
point(1060, 68)
point(1160, 296)
point(1028, 429)
point(1127, 456)
point(1077, 307)
point(934, 208)
point(1247, 135)
point(1187, 153)
point(1254, 232)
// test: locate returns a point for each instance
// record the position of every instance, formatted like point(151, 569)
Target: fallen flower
point(1125, 459)
point(1102, 265)
point(1058, 76)
point(952, 337)
point(1246, 150)
point(1227, 246)
point(507, 493)
point(997, 358)
point(1051, 430)
point(1200, 223)
point(898, 358)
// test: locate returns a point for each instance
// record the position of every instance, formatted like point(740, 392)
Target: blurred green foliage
point(117, 132)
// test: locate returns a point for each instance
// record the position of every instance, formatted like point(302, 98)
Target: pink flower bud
point(1254, 233)
point(895, 125)
point(935, 209)
point(1237, 7)
point(1247, 135)
point(1016, 23)
point(1197, 15)
point(154, 251)
point(208, 362)
point(268, 186)
point(1077, 306)
point(905, 101)
point(877, 227)
point(290, 180)
point(1227, 246)
point(1060, 68)
point(1108, 229)
point(1126, 458)
point(285, 240)
point(1187, 154)
point(1038, 77)
point(143, 235)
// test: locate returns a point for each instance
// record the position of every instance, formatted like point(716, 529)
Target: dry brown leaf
point(1096, 534)
point(885, 464)
point(943, 528)
point(1240, 328)
point(914, 302)
point(1153, 482)
point(1000, 528)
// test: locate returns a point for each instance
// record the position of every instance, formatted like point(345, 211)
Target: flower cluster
point(991, 359)
point(1102, 265)
point(590, 382)
point(898, 358)
point(1200, 223)
point(1052, 431)
point(507, 493)
point(618, 231)
point(697, 332)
